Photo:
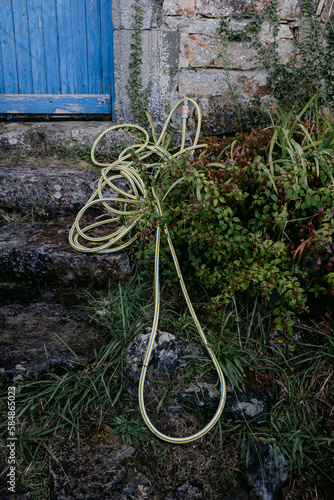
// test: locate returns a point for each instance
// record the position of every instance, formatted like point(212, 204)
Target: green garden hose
point(137, 198)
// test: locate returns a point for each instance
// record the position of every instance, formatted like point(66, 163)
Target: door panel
point(56, 48)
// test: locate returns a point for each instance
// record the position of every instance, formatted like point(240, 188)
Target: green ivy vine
point(138, 95)
point(309, 70)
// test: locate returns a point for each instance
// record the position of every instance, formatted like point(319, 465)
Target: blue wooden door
point(56, 56)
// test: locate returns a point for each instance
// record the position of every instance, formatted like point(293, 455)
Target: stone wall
point(182, 53)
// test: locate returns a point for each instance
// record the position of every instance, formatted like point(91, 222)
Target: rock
point(247, 405)
point(167, 355)
point(266, 471)
point(95, 470)
point(202, 395)
point(41, 253)
point(16, 136)
point(160, 57)
point(218, 117)
point(190, 490)
point(28, 336)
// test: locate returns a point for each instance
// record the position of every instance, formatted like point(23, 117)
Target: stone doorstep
point(21, 136)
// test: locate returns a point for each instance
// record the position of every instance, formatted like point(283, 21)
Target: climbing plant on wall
point(310, 67)
point(138, 95)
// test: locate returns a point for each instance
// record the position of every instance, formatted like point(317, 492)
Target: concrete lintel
point(122, 11)
point(160, 57)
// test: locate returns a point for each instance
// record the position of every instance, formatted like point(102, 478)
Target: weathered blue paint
point(8, 54)
point(94, 44)
point(78, 20)
point(2, 82)
point(65, 46)
point(23, 50)
point(52, 64)
point(55, 104)
point(107, 48)
point(37, 49)
point(50, 47)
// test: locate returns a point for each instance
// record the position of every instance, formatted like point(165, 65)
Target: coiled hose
point(121, 238)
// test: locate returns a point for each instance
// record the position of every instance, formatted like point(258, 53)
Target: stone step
point(23, 136)
point(31, 333)
point(40, 253)
point(55, 189)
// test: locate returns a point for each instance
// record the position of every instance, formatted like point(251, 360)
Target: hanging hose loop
point(134, 203)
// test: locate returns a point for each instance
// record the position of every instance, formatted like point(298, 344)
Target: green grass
point(300, 425)
point(69, 154)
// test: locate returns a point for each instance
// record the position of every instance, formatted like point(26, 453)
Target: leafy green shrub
point(253, 215)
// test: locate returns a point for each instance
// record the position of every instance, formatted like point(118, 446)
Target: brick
point(179, 7)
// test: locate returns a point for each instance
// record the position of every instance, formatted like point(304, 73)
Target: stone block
point(238, 24)
point(179, 7)
point(159, 59)
point(266, 34)
point(290, 10)
point(217, 8)
point(285, 49)
point(200, 51)
point(122, 11)
point(213, 82)
point(242, 55)
point(201, 26)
